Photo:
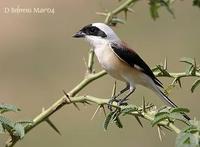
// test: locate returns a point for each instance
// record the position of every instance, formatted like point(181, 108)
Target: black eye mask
point(93, 31)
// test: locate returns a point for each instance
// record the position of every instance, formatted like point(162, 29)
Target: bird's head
point(97, 34)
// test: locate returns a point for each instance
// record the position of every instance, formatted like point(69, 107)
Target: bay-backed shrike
point(120, 61)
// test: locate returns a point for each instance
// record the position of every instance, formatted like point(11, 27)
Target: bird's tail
point(167, 99)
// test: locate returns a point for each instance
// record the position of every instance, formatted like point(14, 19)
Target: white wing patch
point(138, 67)
point(135, 66)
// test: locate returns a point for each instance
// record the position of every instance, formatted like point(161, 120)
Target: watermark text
point(21, 10)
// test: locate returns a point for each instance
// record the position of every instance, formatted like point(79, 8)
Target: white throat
point(96, 42)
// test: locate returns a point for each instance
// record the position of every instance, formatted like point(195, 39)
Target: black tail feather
point(172, 104)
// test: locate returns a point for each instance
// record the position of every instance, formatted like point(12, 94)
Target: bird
point(121, 61)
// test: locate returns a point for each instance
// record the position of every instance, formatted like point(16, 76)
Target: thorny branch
point(91, 76)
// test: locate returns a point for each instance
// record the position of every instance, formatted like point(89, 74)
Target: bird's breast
point(106, 57)
point(110, 62)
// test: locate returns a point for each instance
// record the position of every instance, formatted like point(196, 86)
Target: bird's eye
point(92, 30)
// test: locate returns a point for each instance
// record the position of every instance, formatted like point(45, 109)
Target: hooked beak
point(79, 34)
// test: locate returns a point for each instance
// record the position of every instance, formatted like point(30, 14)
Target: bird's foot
point(122, 102)
point(113, 99)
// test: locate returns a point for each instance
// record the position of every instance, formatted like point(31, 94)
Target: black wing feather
point(132, 58)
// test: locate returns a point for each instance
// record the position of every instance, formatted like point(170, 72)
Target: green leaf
point(192, 68)
point(196, 124)
point(25, 122)
point(7, 107)
point(160, 116)
point(177, 116)
point(187, 128)
point(194, 139)
point(118, 122)
point(108, 119)
point(166, 4)
point(13, 128)
point(159, 119)
point(163, 109)
point(180, 110)
point(196, 3)
point(189, 136)
point(187, 140)
point(195, 85)
point(164, 71)
point(128, 110)
point(182, 140)
point(187, 60)
point(7, 123)
point(2, 130)
point(189, 69)
point(115, 114)
point(163, 112)
point(155, 69)
point(18, 130)
point(154, 6)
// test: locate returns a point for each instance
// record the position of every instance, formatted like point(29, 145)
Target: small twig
point(87, 80)
point(114, 89)
point(90, 61)
point(123, 7)
point(175, 75)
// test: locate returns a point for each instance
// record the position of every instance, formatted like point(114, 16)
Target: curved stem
point(118, 10)
point(87, 80)
point(58, 104)
point(90, 61)
point(178, 74)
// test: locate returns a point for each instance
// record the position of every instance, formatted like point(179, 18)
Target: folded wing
point(130, 57)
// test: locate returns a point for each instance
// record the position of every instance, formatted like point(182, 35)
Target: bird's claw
point(113, 99)
point(122, 102)
point(119, 102)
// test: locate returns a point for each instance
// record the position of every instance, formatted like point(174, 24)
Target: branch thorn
point(98, 108)
point(69, 100)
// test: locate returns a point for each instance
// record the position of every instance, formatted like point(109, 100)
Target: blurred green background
point(39, 58)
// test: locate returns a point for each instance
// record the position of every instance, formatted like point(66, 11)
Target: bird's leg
point(121, 92)
point(114, 98)
point(123, 101)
